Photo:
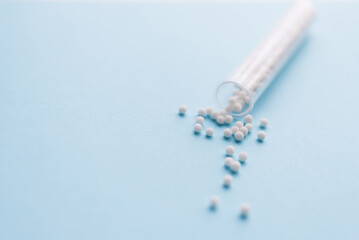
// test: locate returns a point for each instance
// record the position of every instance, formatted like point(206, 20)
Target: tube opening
point(234, 98)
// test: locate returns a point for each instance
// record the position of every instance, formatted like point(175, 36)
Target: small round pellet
point(235, 166)
point(249, 126)
point(228, 119)
point(236, 91)
point(209, 132)
point(182, 109)
point(261, 135)
point(237, 107)
point(227, 180)
point(209, 110)
point(242, 94)
point(222, 113)
point(197, 127)
point(228, 109)
point(227, 132)
point(200, 119)
point(245, 209)
point(214, 201)
point(235, 129)
point(228, 161)
point(244, 130)
point(230, 150)
point(201, 112)
point(263, 122)
point(232, 100)
point(220, 120)
point(242, 156)
point(239, 136)
point(239, 124)
point(247, 99)
point(248, 118)
point(214, 115)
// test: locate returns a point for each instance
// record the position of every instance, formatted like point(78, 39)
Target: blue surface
point(91, 146)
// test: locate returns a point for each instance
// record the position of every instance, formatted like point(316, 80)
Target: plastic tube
point(247, 83)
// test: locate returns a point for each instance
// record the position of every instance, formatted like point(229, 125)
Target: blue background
point(91, 146)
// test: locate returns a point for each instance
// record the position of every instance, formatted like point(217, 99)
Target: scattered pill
point(248, 118)
point(237, 107)
point(220, 119)
point(261, 135)
point(227, 180)
point(197, 127)
point(228, 161)
point(243, 156)
point(228, 109)
point(234, 129)
point(245, 209)
point(227, 132)
point(201, 112)
point(228, 119)
point(214, 115)
point(244, 130)
point(235, 166)
point(222, 113)
point(182, 109)
point(214, 201)
point(200, 119)
point(263, 122)
point(239, 124)
point(209, 132)
point(229, 149)
point(209, 110)
point(249, 126)
point(239, 136)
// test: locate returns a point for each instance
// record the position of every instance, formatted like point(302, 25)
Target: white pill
point(239, 124)
point(230, 150)
point(263, 122)
point(228, 109)
point(222, 113)
point(242, 94)
point(245, 209)
point(247, 99)
point(234, 129)
point(200, 119)
point(228, 161)
point(243, 156)
point(235, 166)
point(232, 100)
point(209, 110)
point(197, 127)
point(249, 126)
point(228, 119)
point(227, 132)
point(214, 115)
point(261, 135)
point(236, 91)
point(209, 132)
point(239, 136)
point(248, 118)
point(237, 107)
point(227, 180)
point(244, 130)
point(220, 120)
point(182, 109)
point(214, 201)
point(201, 111)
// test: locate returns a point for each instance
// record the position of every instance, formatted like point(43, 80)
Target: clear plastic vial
point(247, 83)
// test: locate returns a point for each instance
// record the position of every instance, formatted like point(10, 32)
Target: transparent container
point(240, 91)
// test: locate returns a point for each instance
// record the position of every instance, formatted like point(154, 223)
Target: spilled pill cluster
point(237, 130)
